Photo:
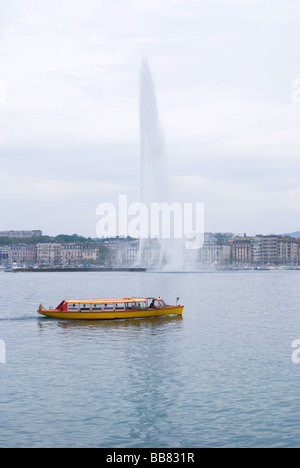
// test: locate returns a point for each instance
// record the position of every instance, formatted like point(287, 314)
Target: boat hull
point(114, 315)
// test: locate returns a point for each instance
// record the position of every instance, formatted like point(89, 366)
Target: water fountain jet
point(154, 176)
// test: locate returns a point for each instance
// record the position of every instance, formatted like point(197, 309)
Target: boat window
point(85, 307)
point(108, 307)
point(141, 305)
point(96, 307)
point(72, 306)
point(153, 304)
point(161, 304)
point(120, 306)
point(130, 306)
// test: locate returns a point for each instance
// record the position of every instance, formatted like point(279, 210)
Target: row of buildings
point(56, 254)
point(255, 251)
point(258, 250)
point(21, 234)
point(110, 253)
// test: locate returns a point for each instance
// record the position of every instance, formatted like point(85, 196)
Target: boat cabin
point(126, 304)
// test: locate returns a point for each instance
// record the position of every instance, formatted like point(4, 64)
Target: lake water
point(220, 376)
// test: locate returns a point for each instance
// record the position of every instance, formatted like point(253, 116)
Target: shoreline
point(73, 270)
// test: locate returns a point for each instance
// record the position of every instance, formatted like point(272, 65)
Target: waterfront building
point(115, 249)
point(79, 252)
point(269, 249)
point(256, 250)
point(4, 255)
point(89, 252)
point(130, 252)
point(274, 250)
point(241, 250)
point(22, 253)
point(288, 251)
point(215, 252)
point(49, 254)
point(70, 253)
point(151, 253)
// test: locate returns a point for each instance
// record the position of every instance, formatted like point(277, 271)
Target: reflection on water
point(141, 370)
point(153, 322)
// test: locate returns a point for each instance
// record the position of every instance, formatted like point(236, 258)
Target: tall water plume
point(154, 180)
point(154, 177)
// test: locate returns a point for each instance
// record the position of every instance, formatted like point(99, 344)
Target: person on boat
point(152, 305)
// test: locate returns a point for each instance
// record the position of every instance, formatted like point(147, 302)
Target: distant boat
point(111, 309)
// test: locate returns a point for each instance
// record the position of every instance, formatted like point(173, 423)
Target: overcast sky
point(69, 109)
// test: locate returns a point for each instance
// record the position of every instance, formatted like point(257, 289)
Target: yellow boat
point(112, 309)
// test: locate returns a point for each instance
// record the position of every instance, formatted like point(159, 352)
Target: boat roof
point(109, 301)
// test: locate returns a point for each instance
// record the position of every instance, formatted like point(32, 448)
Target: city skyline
point(225, 250)
point(33, 233)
